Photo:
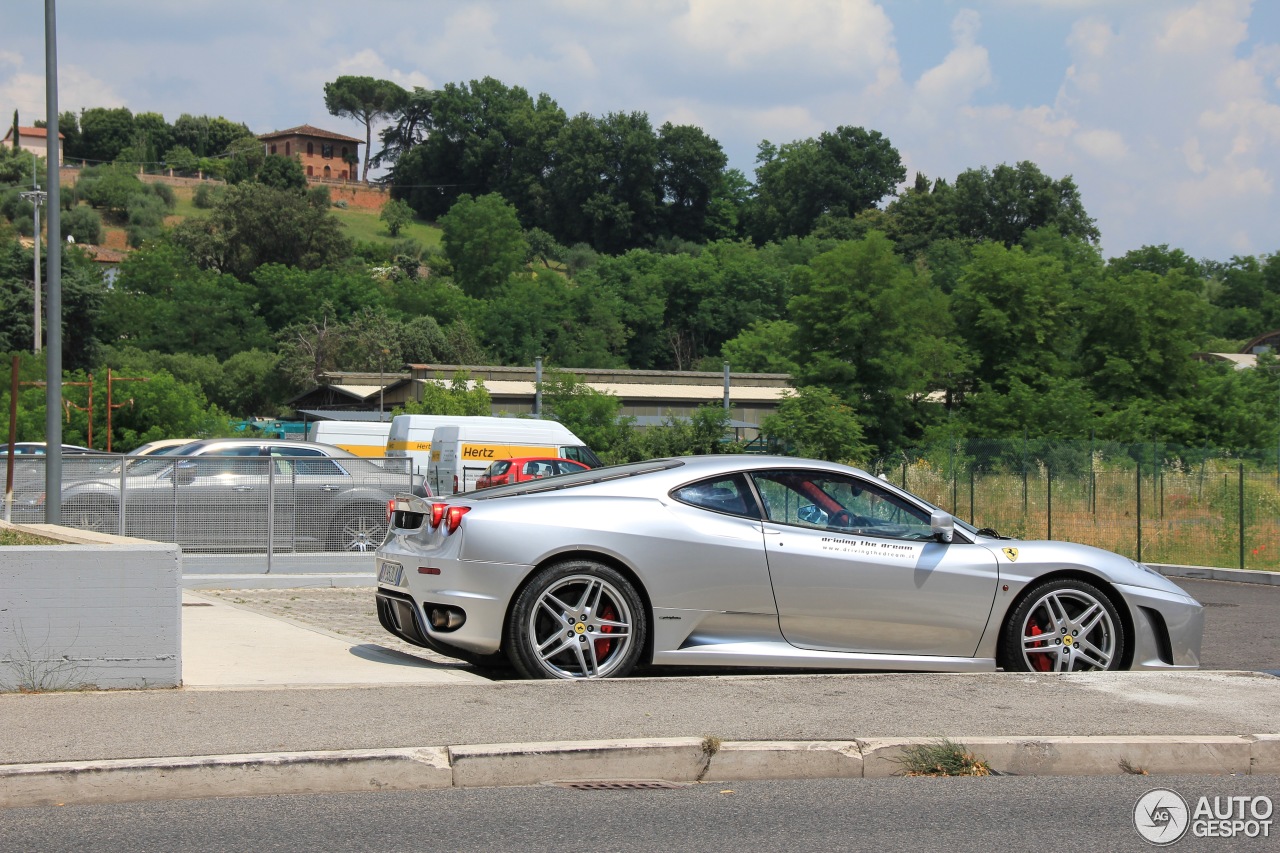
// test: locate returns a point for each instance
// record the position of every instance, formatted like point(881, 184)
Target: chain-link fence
point(1155, 503)
point(223, 504)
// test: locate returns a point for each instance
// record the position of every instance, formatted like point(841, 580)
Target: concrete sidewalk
point(225, 646)
point(273, 706)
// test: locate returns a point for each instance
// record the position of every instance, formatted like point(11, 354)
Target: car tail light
point(449, 516)
point(453, 518)
point(391, 508)
point(455, 484)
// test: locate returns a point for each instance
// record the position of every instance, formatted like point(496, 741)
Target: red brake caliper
point(1039, 662)
point(602, 646)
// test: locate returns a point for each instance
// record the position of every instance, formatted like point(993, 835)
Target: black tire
point(96, 514)
point(578, 619)
point(359, 528)
point(1063, 625)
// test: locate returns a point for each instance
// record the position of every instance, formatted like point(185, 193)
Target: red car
point(523, 468)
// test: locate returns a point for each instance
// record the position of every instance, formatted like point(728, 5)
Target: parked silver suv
point(237, 494)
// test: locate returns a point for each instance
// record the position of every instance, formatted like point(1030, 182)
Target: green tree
point(1004, 203)
point(875, 333)
point(282, 173)
point(146, 218)
point(396, 214)
point(484, 137)
point(841, 172)
point(459, 397)
point(366, 100)
point(604, 182)
point(765, 346)
point(82, 224)
point(1015, 311)
point(484, 242)
point(104, 133)
point(690, 174)
point(162, 302)
point(181, 159)
point(253, 224)
point(815, 423)
point(593, 416)
point(109, 188)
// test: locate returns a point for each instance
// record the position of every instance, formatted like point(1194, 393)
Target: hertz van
point(460, 452)
point(410, 436)
point(363, 438)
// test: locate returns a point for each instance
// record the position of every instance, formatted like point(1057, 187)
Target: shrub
point(83, 224)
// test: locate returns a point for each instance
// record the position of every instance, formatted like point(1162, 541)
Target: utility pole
point(37, 198)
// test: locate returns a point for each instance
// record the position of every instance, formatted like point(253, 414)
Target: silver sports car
point(762, 562)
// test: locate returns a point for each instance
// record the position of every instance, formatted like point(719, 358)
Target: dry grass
point(1187, 517)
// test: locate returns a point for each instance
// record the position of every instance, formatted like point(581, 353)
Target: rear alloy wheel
point(579, 619)
point(1063, 626)
point(360, 529)
point(96, 515)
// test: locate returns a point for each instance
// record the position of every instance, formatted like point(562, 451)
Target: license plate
point(390, 573)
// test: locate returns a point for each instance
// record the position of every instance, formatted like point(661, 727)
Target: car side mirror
point(184, 473)
point(942, 525)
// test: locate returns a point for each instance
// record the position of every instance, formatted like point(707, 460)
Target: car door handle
point(767, 532)
point(242, 488)
point(328, 488)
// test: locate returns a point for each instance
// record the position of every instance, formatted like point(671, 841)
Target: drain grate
point(620, 785)
point(196, 604)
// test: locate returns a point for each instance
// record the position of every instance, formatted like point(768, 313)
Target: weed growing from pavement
point(942, 757)
point(36, 670)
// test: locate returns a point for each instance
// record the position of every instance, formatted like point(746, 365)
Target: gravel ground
point(349, 613)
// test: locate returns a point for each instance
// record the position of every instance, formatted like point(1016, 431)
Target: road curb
point(1209, 573)
point(668, 759)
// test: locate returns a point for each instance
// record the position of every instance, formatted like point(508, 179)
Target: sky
point(1166, 113)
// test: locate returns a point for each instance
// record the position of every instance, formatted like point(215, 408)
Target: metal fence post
point(973, 512)
point(1049, 499)
point(1139, 512)
point(1241, 513)
point(271, 510)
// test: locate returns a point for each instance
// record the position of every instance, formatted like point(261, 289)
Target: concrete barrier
point(95, 611)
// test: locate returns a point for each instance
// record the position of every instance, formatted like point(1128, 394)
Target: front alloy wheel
point(577, 620)
point(1063, 626)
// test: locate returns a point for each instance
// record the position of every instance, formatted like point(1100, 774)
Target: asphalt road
point(1005, 813)
point(1241, 626)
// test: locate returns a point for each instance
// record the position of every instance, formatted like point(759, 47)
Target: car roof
point(200, 447)
point(680, 469)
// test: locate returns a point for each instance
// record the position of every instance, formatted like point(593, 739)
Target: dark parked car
point(230, 494)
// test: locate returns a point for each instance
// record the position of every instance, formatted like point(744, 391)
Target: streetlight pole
point(53, 359)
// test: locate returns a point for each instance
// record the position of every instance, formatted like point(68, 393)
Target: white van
point(363, 438)
point(461, 452)
point(410, 436)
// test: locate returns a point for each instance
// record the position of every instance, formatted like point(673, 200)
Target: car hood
point(1035, 557)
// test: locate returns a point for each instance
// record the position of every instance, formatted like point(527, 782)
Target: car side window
point(725, 494)
point(304, 461)
point(826, 501)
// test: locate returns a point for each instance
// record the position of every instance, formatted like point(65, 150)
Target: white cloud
point(849, 36)
point(964, 71)
point(1107, 145)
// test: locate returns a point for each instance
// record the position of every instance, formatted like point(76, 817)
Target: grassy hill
point(361, 225)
